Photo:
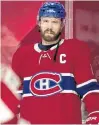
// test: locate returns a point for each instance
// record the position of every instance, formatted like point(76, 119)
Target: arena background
point(19, 26)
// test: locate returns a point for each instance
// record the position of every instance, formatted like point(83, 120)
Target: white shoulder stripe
point(63, 74)
point(64, 91)
point(67, 74)
point(27, 78)
point(86, 83)
point(69, 91)
point(93, 91)
point(5, 113)
point(26, 95)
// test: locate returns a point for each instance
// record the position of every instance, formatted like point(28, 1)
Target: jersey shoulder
point(76, 45)
point(22, 54)
point(24, 50)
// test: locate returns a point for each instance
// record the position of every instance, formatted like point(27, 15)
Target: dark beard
point(48, 38)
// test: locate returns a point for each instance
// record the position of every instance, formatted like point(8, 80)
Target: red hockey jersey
point(52, 89)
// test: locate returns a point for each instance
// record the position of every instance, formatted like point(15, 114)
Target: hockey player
point(56, 74)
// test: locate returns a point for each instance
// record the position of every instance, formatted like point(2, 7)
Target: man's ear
point(39, 23)
point(63, 24)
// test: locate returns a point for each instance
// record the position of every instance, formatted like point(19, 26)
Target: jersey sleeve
point(86, 84)
point(16, 66)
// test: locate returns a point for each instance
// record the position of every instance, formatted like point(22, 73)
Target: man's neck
point(49, 43)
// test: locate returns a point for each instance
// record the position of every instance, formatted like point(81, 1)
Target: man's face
point(50, 28)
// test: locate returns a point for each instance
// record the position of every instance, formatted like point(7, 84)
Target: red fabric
point(92, 102)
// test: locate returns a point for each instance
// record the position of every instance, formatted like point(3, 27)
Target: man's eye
point(55, 22)
point(45, 21)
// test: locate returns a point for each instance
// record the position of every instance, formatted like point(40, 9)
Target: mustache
point(49, 30)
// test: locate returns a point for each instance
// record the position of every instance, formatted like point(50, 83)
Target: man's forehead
point(50, 18)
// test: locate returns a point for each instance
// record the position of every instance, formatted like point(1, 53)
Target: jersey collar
point(37, 49)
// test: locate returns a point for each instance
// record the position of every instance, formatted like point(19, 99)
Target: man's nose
point(50, 25)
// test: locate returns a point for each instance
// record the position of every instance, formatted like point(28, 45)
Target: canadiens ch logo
point(45, 84)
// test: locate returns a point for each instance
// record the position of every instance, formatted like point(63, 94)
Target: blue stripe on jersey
point(67, 83)
point(86, 88)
